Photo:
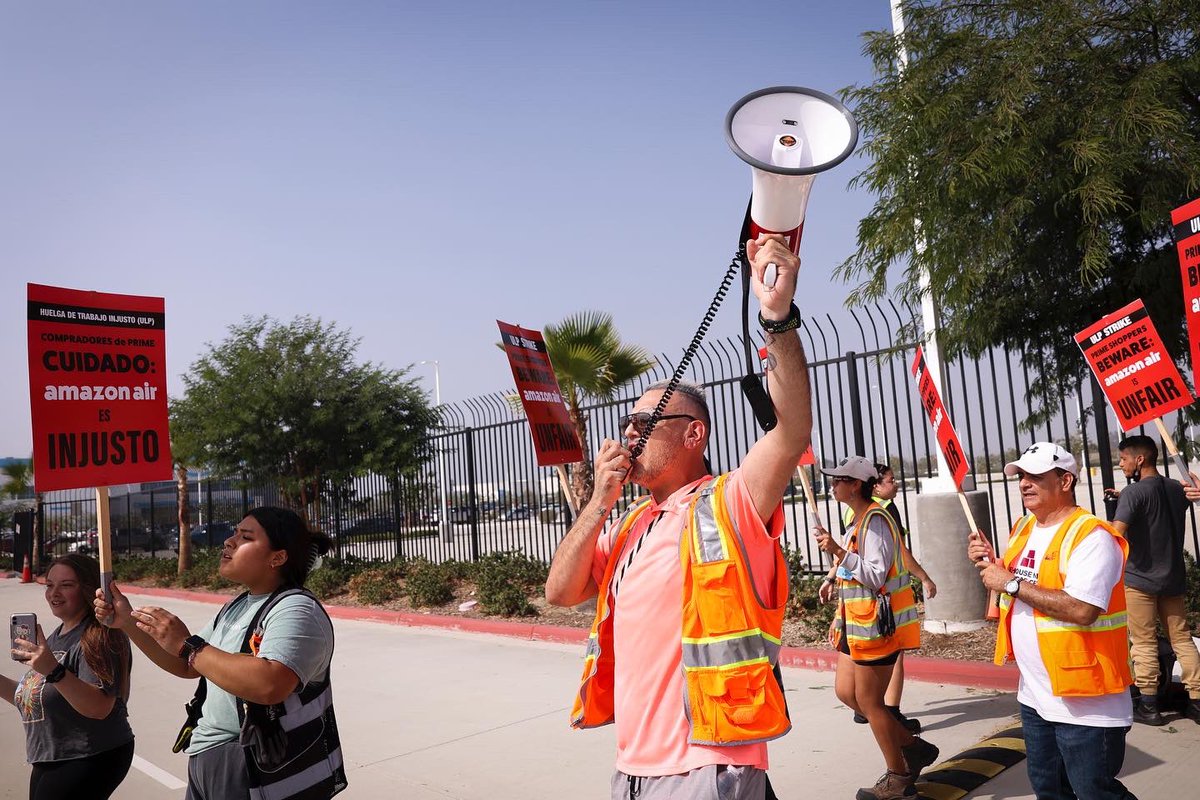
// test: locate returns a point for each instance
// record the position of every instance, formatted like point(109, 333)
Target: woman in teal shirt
point(265, 655)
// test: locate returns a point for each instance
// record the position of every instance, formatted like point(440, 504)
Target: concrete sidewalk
point(440, 714)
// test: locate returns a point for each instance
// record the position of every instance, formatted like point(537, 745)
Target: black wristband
point(55, 675)
point(788, 323)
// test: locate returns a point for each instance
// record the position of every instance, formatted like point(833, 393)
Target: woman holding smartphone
point(72, 698)
point(262, 717)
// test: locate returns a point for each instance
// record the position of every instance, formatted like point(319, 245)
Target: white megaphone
point(787, 134)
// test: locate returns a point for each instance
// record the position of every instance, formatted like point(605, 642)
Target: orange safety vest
point(730, 638)
point(858, 604)
point(1082, 660)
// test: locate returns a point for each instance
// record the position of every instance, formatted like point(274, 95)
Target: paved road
point(430, 715)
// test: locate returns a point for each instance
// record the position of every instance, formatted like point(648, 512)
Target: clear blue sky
point(411, 170)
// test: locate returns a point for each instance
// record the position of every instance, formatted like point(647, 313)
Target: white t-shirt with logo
point(1093, 570)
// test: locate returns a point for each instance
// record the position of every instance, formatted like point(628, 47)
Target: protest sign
point(1133, 367)
point(97, 388)
point(554, 436)
point(1186, 223)
point(939, 421)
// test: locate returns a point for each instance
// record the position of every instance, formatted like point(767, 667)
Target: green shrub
point(1192, 590)
point(374, 586)
point(429, 584)
point(505, 581)
point(160, 571)
point(203, 572)
point(330, 579)
point(804, 603)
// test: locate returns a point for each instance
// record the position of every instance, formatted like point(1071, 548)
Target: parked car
point(220, 531)
point(124, 540)
point(380, 523)
point(461, 515)
point(516, 513)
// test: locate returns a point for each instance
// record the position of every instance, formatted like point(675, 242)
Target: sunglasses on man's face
point(640, 419)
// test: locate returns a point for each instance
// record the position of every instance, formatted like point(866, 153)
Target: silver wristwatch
point(1012, 587)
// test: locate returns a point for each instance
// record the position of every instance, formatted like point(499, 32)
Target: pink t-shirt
point(652, 731)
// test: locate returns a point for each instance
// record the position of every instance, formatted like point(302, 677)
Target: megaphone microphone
point(787, 134)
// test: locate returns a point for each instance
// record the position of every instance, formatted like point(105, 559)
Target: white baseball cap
point(1040, 458)
point(856, 467)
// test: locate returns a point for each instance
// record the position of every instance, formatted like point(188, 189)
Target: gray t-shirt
point(54, 730)
point(296, 633)
point(1154, 509)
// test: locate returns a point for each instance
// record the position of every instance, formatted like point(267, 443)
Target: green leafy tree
point(288, 403)
point(1028, 158)
point(591, 363)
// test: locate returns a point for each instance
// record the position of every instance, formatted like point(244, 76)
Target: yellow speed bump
point(964, 773)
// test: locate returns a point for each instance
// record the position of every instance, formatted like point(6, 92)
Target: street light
point(443, 510)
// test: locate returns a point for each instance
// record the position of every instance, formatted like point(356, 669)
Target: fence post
point(394, 480)
point(472, 497)
point(860, 442)
point(209, 505)
point(337, 518)
point(153, 528)
point(1103, 447)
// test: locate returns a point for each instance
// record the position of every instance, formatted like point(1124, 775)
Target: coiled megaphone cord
point(734, 266)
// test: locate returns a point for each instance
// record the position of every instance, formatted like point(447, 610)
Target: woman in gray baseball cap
point(876, 620)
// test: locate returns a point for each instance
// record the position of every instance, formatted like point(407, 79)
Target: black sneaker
point(1192, 711)
point(919, 755)
point(859, 718)
point(1146, 712)
point(913, 726)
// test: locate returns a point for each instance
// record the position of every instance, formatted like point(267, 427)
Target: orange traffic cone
point(26, 572)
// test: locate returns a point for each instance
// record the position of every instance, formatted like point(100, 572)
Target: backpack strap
point(195, 707)
point(252, 630)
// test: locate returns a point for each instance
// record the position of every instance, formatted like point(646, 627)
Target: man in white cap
point(1062, 617)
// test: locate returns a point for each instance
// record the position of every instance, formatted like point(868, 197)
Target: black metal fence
point(483, 491)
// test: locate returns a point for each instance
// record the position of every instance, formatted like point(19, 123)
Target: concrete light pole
point(939, 528)
point(443, 517)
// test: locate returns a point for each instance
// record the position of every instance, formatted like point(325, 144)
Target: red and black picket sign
point(1135, 371)
point(97, 388)
point(554, 436)
point(1186, 223)
point(939, 420)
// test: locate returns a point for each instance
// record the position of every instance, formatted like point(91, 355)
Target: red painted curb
point(930, 670)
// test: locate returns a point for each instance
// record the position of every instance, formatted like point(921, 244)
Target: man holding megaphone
point(691, 685)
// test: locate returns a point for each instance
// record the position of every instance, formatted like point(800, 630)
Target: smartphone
point(22, 626)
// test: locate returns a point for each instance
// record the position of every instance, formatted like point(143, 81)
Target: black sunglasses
point(640, 419)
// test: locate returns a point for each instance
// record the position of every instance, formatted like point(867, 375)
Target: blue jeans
point(1067, 762)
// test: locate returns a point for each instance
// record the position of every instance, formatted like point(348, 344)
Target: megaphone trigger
point(770, 275)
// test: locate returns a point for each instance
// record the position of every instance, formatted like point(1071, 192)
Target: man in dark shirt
point(1150, 514)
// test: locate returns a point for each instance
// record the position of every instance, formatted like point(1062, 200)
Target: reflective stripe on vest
point(731, 639)
point(310, 766)
point(1081, 660)
point(861, 626)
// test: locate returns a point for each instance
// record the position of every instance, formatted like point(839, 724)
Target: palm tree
point(185, 526)
point(590, 362)
point(19, 485)
point(20, 479)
